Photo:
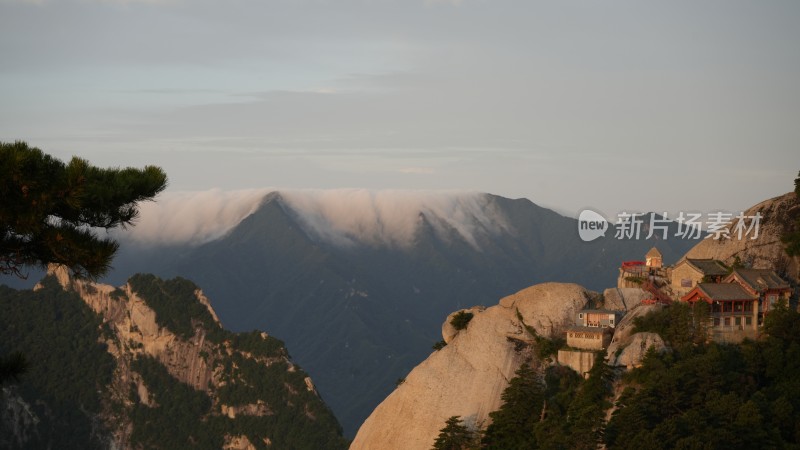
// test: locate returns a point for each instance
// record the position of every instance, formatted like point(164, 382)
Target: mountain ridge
point(359, 316)
point(165, 373)
point(467, 375)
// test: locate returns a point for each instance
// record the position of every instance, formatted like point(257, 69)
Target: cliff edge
point(467, 377)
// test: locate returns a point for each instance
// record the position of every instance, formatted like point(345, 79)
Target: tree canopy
point(461, 319)
point(513, 425)
point(454, 436)
point(53, 212)
point(715, 395)
point(791, 237)
point(72, 388)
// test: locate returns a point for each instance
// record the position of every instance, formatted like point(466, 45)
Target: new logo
point(591, 225)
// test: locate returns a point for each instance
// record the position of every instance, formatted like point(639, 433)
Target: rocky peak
point(467, 377)
point(778, 214)
point(163, 335)
point(137, 329)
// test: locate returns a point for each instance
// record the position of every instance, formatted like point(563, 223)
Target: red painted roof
point(632, 263)
point(720, 292)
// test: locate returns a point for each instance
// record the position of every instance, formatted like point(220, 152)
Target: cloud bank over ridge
point(343, 217)
point(391, 217)
point(192, 216)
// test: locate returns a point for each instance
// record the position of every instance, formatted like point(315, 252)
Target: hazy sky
point(634, 105)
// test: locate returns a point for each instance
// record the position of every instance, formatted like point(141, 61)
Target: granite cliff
point(160, 372)
point(778, 215)
point(467, 377)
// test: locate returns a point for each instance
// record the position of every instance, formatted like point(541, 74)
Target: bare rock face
point(632, 354)
point(548, 307)
point(467, 377)
point(618, 352)
point(204, 358)
point(625, 326)
point(135, 324)
point(238, 443)
point(765, 252)
point(253, 409)
point(624, 299)
point(310, 385)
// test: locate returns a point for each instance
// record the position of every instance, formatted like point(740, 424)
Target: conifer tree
point(454, 436)
point(586, 412)
point(12, 366)
point(51, 212)
point(461, 319)
point(513, 424)
point(792, 236)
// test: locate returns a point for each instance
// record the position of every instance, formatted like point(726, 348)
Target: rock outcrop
point(238, 443)
point(252, 409)
point(139, 333)
point(624, 299)
point(162, 336)
point(467, 377)
point(765, 252)
point(627, 348)
point(448, 330)
point(21, 420)
point(632, 353)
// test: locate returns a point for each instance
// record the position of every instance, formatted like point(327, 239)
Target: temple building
point(589, 338)
point(654, 259)
point(734, 312)
point(688, 273)
point(600, 318)
point(763, 283)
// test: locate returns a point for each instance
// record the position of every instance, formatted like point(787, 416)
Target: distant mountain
point(148, 365)
point(356, 283)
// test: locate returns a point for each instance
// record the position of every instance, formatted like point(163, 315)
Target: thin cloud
point(447, 2)
point(417, 170)
point(122, 2)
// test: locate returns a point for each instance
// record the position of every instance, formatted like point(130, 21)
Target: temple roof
point(653, 253)
point(710, 267)
point(725, 291)
point(760, 279)
point(601, 311)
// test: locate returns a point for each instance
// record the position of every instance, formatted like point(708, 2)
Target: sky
point(614, 105)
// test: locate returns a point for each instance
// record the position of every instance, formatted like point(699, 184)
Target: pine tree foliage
point(561, 411)
point(461, 319)
point(74, 389)
point(12, 366)
point(792, 236)
point(454, 436)
point(51, 210)
point(682, 326)
point(68, 369)
point(714, 395)
point(513, 424)
point(585, 417)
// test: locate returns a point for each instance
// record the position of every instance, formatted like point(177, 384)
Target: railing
point(658, 296)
